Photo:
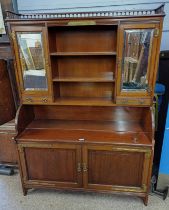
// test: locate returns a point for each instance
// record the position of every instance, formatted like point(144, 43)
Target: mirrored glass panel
point(137, 46)
point(32, 60)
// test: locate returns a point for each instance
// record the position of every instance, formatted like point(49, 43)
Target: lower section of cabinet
point(87, 167)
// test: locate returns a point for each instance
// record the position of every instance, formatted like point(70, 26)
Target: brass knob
point(44, 100)
point(29, 99)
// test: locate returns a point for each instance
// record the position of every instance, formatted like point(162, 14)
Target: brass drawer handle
point(29, 100)
point(85, 169)
point(124, 101)
point(44, 100)
point(79, 167)
point(141, 101)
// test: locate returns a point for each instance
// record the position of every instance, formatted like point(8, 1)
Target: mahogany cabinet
point(86, 83)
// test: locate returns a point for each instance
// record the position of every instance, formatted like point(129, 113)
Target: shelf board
point(84, 101)
point(81, 79)
point(81, 53)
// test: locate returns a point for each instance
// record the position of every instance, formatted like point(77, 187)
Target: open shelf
point(80, 92)
point(86, 40)
point(79, 67)
point(82, 53)
point(82, 79)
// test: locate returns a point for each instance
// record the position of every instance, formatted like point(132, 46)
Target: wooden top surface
point(91, 131)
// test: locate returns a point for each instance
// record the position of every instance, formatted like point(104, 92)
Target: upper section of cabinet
point(96, 59)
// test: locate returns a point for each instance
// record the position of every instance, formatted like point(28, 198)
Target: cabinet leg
point(25, 191)
point(145, 200)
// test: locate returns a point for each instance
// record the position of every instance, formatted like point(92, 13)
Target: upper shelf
point(81, 53)
point(82, 79)
point(159, 11)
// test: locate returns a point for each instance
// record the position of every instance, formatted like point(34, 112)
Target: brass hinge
point(148, 155)
point(12, 35)
point(156, 32)
point(47, 63)
point(118, 62)
point(149, 90)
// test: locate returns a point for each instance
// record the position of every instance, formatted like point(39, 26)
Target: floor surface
point(11, 198)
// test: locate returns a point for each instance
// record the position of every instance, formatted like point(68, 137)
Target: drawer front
point(36, 100)
point(134, 101)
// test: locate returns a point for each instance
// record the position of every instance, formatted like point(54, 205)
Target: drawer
point(134, 101)
point(36, 100)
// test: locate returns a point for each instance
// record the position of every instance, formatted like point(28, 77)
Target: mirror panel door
point(31, 53)
point(136, 69)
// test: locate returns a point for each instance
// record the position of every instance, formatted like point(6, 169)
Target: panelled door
point(32, 66)
point(55, 165)
point(115, 168)
point(137, 63)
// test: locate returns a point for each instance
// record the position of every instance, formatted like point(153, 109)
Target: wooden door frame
point(18, 68)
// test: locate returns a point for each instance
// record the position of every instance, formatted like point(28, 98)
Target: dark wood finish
point(5, 48)
point(84, 133)
point(7, 106)
point(8, 148)
point(59, 164)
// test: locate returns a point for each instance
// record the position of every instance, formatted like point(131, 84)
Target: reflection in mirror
point(32, 60)
point(135, 59)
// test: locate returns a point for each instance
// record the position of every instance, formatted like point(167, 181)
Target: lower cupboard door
point(116, 168)
point(51, 165)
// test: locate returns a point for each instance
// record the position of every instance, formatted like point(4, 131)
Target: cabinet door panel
point(116, 168)
point(136, 61)
point(32, 68)
point(111, 168)
point(57, 164)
